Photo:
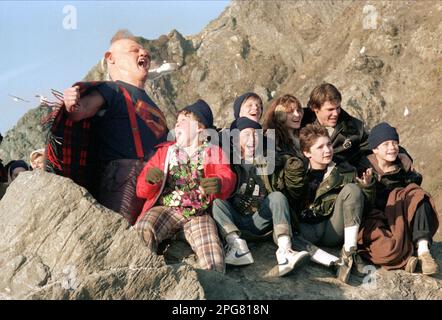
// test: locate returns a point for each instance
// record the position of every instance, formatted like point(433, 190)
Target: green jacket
point(289, 177)
point(336, 177)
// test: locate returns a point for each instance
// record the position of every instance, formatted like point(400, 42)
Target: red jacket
point(215, 165)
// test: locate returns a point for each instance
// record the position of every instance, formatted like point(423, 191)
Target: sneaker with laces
point(289, 259)
point(238, 254)
point(427, 263)
point(345, 264)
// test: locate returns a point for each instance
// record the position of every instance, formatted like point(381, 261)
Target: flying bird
point(43, 99)
point(17, 99)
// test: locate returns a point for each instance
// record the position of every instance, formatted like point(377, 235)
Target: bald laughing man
point(127, 123)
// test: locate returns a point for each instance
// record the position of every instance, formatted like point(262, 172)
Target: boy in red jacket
point(179, 184)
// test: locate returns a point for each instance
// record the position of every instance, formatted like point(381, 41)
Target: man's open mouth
point(142, 63)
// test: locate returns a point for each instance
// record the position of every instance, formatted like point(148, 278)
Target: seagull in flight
point(43, 99)
point(17, 99)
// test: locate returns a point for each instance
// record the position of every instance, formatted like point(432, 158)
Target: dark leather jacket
point(349, 138)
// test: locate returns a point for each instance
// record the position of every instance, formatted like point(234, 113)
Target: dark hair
point(323, 93)
point(310, 134)
point(194, 116)
point(14, 164)
point(201, 112)
point(276, 116)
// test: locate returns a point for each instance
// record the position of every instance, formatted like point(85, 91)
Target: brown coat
point(385, 237)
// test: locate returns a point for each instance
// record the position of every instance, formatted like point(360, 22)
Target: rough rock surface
point(57, 242)
point(27, 135)
point(311, 281)
point(383, 56)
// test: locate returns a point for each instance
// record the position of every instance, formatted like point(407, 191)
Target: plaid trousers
point(161, 223)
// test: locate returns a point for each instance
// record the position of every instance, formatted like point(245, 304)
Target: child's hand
point(211, 185)
point(154, 175)
point(367, 176)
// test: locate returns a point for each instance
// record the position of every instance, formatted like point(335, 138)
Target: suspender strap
point(133, 123)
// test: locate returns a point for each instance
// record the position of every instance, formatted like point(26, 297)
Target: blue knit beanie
point(380, 133)
point(239, 101)
point(202, 111)
point(244, 123)
point(13, 164)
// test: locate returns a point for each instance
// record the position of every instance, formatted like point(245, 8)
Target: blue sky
point(38, 52)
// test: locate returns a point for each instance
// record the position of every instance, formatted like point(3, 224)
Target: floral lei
point(183, 180)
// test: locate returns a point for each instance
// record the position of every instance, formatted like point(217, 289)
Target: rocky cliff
point(57, 242)
point(27, 135)
point(385, 57)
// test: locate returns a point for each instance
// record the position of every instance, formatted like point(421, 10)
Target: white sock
point(231, 237)
point(284, 242)
point(422, 246)
point(350, 237)
point(324, 258)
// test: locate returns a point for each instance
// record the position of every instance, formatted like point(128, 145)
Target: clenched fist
point(154, 175)
point(211, 185)
point(71, 98)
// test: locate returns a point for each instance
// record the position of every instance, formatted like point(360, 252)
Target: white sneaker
point(289, 259)
point(238, 254)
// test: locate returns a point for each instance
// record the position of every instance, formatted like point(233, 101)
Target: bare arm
point(82, 108)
